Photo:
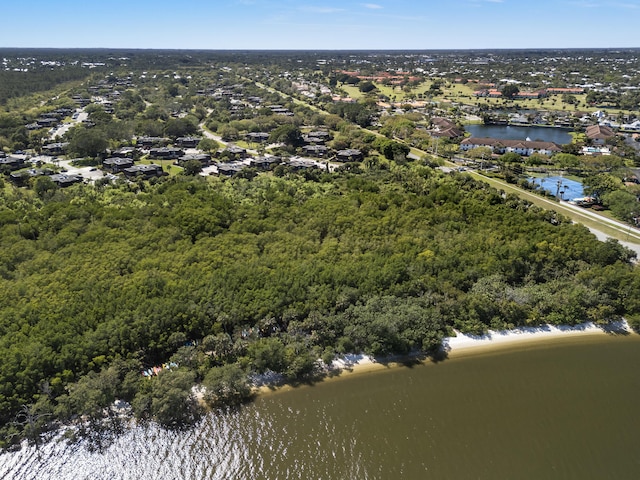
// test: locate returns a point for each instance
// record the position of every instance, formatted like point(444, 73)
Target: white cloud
point(372, 6)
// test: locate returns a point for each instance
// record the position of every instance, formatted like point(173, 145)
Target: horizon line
point(465, 49)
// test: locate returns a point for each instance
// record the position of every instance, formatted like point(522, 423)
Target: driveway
point(85, 172)
point(63, 128)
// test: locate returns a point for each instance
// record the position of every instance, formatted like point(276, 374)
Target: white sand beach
point(459, 346)
point(464, 345)
point(461, 343)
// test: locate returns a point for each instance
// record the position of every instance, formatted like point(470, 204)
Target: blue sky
point(327, 24)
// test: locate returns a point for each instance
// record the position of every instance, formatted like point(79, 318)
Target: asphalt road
point(85, 172)
point(63, 128)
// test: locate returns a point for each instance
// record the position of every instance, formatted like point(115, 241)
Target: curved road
point(601, 226)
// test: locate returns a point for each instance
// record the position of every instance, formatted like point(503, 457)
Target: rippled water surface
point(565, 410)
point(510, 132)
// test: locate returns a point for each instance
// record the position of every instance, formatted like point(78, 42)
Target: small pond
point(560, 136)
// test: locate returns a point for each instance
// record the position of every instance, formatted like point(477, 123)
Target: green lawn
point(464, 93)
point(352, 91)
point(167, 165)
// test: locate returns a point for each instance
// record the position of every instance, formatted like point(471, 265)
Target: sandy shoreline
point(466, 345)
point(462, 344)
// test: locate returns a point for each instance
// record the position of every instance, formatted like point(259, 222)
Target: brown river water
point(565, 409)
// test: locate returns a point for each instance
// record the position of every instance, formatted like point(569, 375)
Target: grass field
point(167, 165)
point(459, 93)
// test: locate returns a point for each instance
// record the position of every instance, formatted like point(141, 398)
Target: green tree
point(226, 385)
point(480, 153)
point(44, 186)
point(391, 149)
point(180, 127)
point(169, 399)
point(208, 145)
point(88, 142)
point(268, 354)
point(622, 204)
point(288, 134)
point(601, 184)
point(509, 91)
point(366, 87)
point(566, 160)
point(192, 167)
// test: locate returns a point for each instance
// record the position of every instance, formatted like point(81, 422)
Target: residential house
point(203, 158)
point(349, 155)
point(518, 119)
point(235, 152)
point(144, 170)
point(631, 127)
point(65, 180)
point(11, 163)
point(47, 122)
point(297, 163)
point(571, 91)
point(257, 137)
point(230, 169)
point(444, 128)
point(448, 133)
point(265, 163)
point(22, 177)
point(598, 134)
point(148, 142)
point(280, 110)
point(188, 142)
point(309, 140)
point(166, 153)
point(319, 137)
point(319, 151)
point(79, 100)
point(127, 152)
point(117, 164)
point(530, 95)
point(58, 148)
point(441, 123)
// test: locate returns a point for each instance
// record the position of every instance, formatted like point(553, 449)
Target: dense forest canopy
point(132, 289)
point(270, 274)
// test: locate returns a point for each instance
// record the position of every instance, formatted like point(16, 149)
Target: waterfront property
point(599, 134)
point(521, 147)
